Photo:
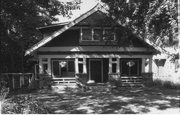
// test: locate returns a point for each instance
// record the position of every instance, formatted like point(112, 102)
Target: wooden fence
point(18, 80)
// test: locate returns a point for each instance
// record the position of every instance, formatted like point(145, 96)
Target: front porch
point(66, 69)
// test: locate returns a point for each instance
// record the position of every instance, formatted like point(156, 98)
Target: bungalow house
point(88, 48)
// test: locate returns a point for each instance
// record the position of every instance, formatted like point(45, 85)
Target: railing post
point(110, 65)
point(49, 66)
point(150, 65)
point(118, 66)
point(13, 82)
point(20, 77)
point(76, 66)
point(40, 66)
point(143, 65)
point(29, 79)
point(84, 65)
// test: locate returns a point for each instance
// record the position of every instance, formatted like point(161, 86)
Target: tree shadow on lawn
point(118, 101)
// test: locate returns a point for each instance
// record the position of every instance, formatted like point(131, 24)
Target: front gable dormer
point(94, 28)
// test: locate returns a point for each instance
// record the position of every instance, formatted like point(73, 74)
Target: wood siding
point(68, 38)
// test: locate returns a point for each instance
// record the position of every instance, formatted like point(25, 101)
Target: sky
point(84, 7)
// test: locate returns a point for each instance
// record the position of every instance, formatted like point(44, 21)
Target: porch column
point(84, 65)
point(76, 66)
point(143, 65)
point(40, 66)
point(150, 65)
point(49, 66)
point(118, 67)
point(110, 65)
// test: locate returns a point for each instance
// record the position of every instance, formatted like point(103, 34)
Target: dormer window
point(86, 34)
point(97, 34)
point(109, 35)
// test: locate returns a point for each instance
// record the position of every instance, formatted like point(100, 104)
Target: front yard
point(119, 101)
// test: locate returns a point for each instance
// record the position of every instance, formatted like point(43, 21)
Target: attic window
point(109, 35)
point(97, 33)
point(86, 34)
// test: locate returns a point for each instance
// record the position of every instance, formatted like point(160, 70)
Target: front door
point(96, 70)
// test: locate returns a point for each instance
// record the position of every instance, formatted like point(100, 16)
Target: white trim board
point(93, 48)
point(95, 56)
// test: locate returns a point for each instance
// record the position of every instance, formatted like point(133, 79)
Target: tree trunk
point(179, 29)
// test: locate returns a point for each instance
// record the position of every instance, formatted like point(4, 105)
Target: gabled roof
point(56, 26)
point(64, 28)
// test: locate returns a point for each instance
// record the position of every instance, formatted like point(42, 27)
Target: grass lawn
point(119, 101)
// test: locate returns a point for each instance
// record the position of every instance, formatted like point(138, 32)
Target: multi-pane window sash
point(96, 34)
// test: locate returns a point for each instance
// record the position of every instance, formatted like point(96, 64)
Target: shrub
point(3, 93)
point(45, 81)
point(165, 84)
point(170, 85)
point(24, 104)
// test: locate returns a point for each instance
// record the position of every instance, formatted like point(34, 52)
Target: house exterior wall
point(81, 44)
point(165, 69)
point(106, 57)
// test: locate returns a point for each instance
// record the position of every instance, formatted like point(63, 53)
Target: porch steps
point(64, 81)
point(99, 87)
point(132, 81)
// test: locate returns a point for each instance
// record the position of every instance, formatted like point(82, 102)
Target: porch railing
point(17, 80)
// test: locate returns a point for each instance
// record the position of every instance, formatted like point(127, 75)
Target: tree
point(155, 20)
point(19, 20)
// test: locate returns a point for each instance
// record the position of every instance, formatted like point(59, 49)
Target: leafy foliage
point(3, 90)
point(19, 20)
point(149, 19)
point(24, 104)
point(3, 93)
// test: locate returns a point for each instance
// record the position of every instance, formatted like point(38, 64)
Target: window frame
point(129, 68)
point(59, 70)
point(114, 34)
point(92, 33)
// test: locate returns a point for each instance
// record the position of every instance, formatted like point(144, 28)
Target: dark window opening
point(114, 65)
point(86, 34)
point(80, 68)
